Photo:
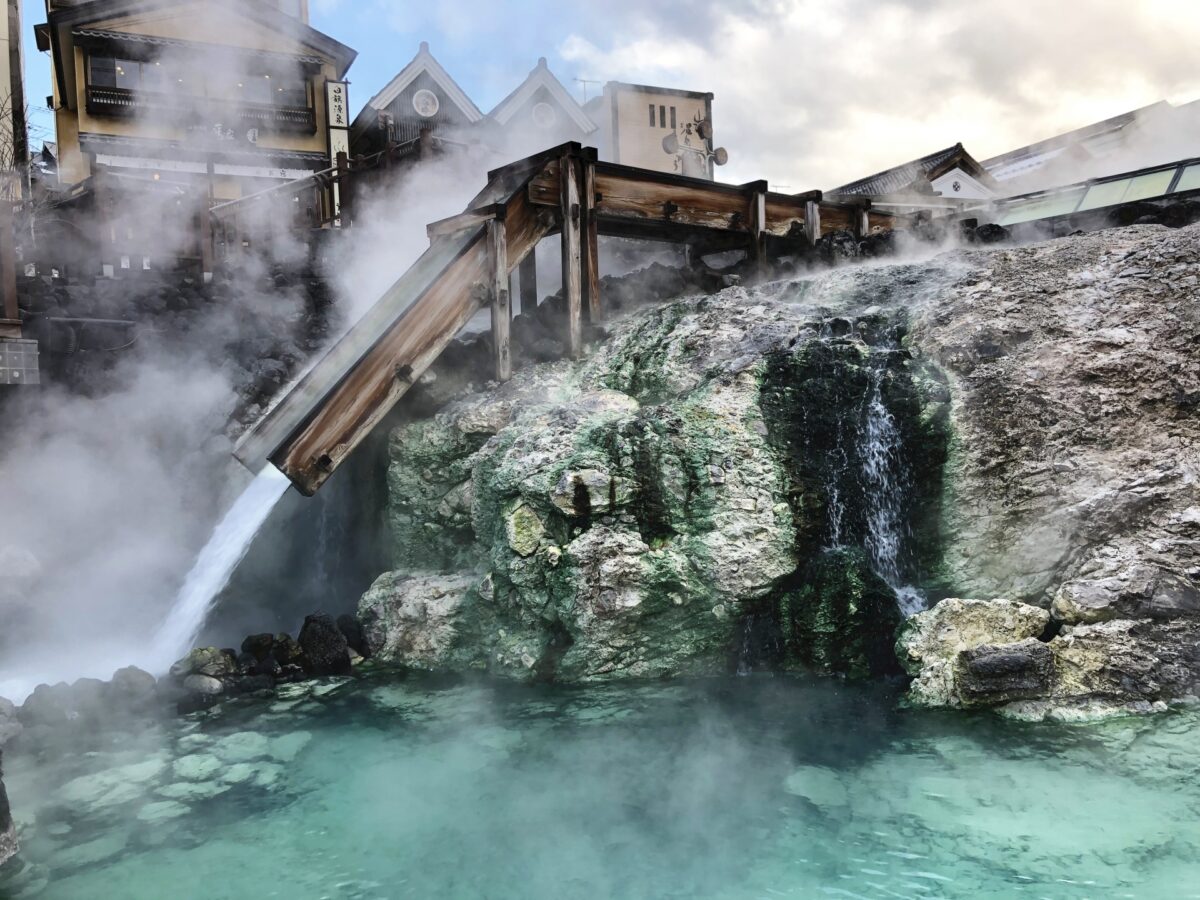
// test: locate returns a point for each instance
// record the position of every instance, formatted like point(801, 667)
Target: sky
point(808, 93)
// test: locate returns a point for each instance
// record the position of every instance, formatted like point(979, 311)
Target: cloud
point(814, 94)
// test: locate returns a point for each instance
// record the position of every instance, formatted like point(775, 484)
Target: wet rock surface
point(652, 510)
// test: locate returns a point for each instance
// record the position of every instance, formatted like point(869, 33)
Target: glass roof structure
point(1144, 184)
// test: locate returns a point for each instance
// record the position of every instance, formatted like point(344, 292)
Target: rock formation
point(769, 476)
point(725, 482)
point(8, 830)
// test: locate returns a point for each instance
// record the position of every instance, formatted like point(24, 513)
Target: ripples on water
point(740, 788)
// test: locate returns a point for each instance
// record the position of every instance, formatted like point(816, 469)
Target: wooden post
point(757, 191)
point(527, 272)
point(591, 246)
point(425, 145)
point(497, 239)
point(860, 219)
point(572, 251)
point(9, 312)
point(812, 221)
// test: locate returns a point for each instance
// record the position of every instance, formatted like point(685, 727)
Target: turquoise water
point(741, 788)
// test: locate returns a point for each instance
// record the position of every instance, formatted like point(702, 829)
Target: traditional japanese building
point(952, 174)
point(423, 109)
point(165, 108)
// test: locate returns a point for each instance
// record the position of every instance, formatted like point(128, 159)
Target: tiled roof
point(896, 179)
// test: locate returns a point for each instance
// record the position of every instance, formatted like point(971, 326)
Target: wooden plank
point(498, 289)
point(297, 405)
point(528, 276)
point(345, 416)
point(623, 197)
point(472, 218)
point(834, 218)
point(591, 248)
point(572, 253)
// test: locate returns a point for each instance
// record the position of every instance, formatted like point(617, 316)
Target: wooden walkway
point(336, 404)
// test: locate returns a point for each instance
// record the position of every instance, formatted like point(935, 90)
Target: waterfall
point(215, 565)
point(865, 465)
point(885, 487)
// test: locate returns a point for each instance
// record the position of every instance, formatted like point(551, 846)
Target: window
point(651, 115)
point(1190, 179)
point(672, 118)
point(662, 117)
point(1154, 184)
point(1040, 208)
point(107, 71)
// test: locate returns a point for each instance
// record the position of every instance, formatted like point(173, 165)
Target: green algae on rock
point(638, 514)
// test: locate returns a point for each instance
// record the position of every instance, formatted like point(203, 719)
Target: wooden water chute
point(336, 404)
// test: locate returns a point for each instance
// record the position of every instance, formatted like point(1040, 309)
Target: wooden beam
point(472, 218)
point(572, 253)
point(498, 289)
point(527, 272)
point(591, 247)
point(812, 222)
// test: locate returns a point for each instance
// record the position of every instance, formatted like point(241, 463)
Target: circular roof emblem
point(544, 115)
point(425, 102)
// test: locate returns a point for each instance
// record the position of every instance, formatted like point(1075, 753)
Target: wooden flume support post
point(812, 222)
point(527, 274)
point(497, 241)
point(757, 226)
point(591, 243)
point(860, 218)
point(572, 251)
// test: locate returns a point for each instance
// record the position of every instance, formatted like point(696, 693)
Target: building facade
point(164, 109)
point(423, 108)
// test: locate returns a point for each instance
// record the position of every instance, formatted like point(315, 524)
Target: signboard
point(337, 106)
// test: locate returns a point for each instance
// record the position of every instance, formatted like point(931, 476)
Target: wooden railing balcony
point(107, 101)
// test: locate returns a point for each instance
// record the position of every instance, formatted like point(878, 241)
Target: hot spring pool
point(741, 788)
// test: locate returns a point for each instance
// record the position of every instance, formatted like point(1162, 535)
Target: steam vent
point(418, 486)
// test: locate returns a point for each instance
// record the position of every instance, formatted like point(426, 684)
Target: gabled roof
point(542, 77)
point(925, 169)
point(423, 62)
point(255, 10)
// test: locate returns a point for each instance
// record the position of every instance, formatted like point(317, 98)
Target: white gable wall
point(969, 188)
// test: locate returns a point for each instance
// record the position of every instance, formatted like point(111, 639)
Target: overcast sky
point(809, 93)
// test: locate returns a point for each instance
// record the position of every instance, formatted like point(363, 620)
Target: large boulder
point(417, 620)
point(1000, 654)
point(324, 646)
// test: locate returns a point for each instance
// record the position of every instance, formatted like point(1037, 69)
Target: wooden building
point(163, 109)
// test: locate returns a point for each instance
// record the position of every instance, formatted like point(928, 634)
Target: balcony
point(121, 102)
